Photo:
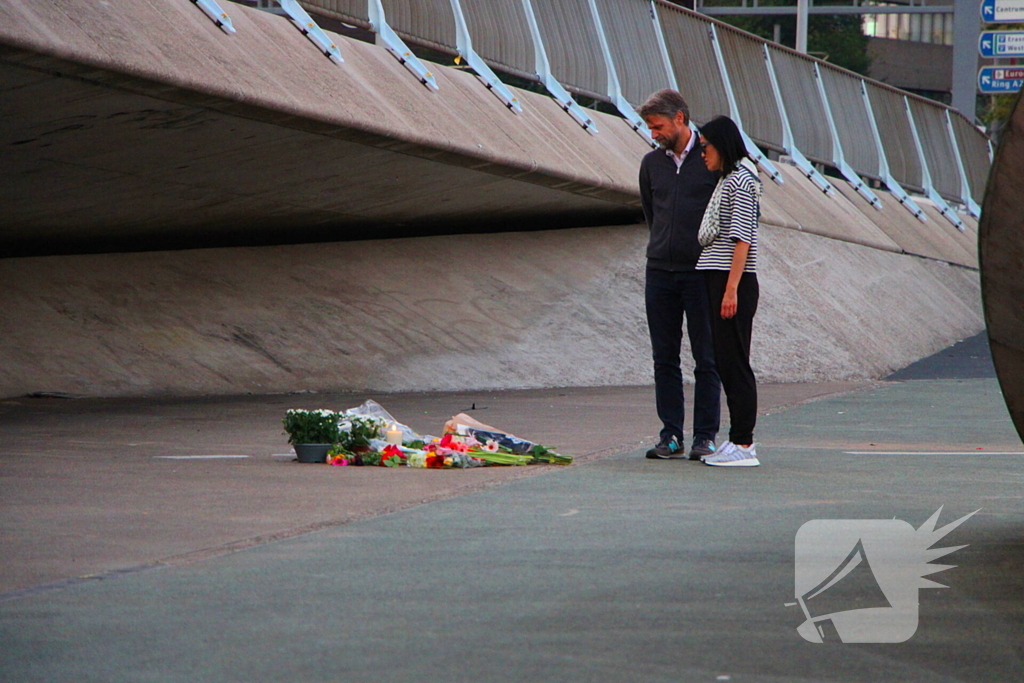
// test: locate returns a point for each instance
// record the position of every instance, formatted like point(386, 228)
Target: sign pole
point(966, 28)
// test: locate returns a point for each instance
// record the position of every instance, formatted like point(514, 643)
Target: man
point(675, 187)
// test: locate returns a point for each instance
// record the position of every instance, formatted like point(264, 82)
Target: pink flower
point(449, 444)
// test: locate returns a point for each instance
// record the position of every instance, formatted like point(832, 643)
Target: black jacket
point(674, 202)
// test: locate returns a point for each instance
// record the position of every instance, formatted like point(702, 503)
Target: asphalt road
point(616, 569)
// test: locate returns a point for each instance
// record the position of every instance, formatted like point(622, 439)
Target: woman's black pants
point(731, 340)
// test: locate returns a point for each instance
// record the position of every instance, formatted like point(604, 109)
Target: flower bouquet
point(354, 438)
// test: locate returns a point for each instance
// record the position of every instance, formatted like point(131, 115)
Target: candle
point(394, 435)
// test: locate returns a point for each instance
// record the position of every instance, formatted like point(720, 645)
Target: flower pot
point(312, 452)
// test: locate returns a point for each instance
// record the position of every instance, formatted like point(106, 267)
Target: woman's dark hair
point(723, 133)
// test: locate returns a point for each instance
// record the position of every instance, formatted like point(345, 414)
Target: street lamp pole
point(802, 8)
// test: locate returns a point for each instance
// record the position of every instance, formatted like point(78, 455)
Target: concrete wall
point(912, 65)
point(550, 308)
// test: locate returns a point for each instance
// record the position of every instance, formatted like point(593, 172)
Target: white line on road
point(198, 457)
point(932, 453)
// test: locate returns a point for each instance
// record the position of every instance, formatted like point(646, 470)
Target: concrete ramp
point(534, 309)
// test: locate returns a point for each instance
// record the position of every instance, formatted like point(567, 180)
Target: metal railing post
point(217, 15)
point(543, 67)
point(926, 177)
point(734, 112)
point(965, 186)
point(614, 89)
point(464, 44)
point(309, 28)
point(663, 48)
point(883, 165)
point(396, 46)
point(805, 166)
point(837, 147)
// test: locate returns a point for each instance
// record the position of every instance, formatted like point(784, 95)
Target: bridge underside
point(91, 166)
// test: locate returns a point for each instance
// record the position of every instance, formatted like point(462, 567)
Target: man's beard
point(669, 142)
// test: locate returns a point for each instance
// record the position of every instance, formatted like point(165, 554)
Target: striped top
point(737, 218)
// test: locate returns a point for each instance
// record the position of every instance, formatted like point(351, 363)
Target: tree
point(837, 38)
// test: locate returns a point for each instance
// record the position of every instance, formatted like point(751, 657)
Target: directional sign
point(1001, 44)
point(994, 80)
point(998, 11)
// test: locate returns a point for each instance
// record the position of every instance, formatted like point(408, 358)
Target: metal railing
point(619, 51)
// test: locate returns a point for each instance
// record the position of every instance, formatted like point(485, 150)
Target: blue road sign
point(1001, 44)
point(998, 11)
point(996, 80)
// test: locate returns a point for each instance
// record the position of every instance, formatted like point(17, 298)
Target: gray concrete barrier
point(550, 308)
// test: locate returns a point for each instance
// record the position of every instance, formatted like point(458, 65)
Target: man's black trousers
point(671, 296)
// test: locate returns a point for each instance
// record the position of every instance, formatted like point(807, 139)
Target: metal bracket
point(945, 209)
point(734, 111)
point(972, 207)
point(568, 104)
point(883, 165)
point(812, 174)
point(761, 160)
point(859, 186)
point(965, 188)
point(634, 120)
point(483, 72)
point(552, 85)
point(211, 9)
point(305, 23)
point(396, 46)
point(926, 176)
point(614, 88)
point(805, 166)
point(837, 147)
point(903, 198)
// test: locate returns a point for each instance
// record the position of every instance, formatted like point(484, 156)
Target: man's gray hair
point(665, 103)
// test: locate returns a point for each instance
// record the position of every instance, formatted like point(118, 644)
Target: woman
point(729, 263)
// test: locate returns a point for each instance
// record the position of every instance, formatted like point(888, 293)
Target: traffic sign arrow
point(996, 80)
point(999, 11)
point(1001, 44)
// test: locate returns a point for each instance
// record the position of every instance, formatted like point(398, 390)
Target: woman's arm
point(743, 211)
point(739, 262)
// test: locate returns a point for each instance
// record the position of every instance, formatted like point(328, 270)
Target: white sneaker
point(731, 455)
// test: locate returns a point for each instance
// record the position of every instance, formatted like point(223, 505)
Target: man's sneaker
point(668, 448)
point(731, 455)
point(701, 448)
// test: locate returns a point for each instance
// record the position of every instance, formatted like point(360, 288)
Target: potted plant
point(312, 433)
